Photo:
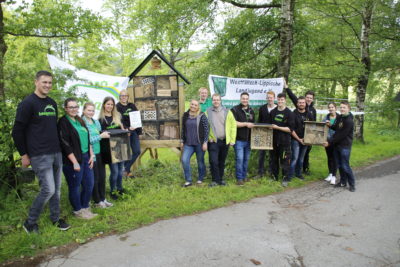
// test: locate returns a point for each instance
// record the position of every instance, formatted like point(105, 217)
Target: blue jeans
point(135, 146)
point(298, 153)
point(242, 152)
point(342, 157)
point(188, 151)
point(116, 170)
point(79, 198)
point(48, 170)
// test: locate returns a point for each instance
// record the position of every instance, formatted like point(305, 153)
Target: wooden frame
point(261, 137)
point(120, 148)
point(315, 133)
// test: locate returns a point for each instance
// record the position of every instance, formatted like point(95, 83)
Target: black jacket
point(343, 136)
point(69, 140)
point(263, 114)
point(243, 133)
point(124, 111)
point(202, 127)
point(309, 108)
point(299, 119)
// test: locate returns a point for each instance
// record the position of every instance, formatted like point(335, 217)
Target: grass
point(157, 194)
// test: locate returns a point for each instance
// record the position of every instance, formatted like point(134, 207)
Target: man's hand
point(326, 144)
point(25, 161)
point(105, 135)
point(250, 125)
point(204, 147)
point(132, 128)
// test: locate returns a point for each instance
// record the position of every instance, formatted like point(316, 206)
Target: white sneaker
point(108, 204)
point(101, 204)
point(89, 214)
point(328, 179)
point(333, 180)
point(199, 182)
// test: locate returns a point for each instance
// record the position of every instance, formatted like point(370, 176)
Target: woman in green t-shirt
point(78, 159)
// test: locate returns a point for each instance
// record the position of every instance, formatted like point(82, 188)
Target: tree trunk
point(286, 38)
point(362, 83)
point(3, 50)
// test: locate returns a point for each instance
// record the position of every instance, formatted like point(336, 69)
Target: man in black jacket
point(263, 117)
point(310, 95)
point(36, 138)
point(342, 141)
point(245, 118)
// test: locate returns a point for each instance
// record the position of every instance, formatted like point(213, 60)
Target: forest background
point(341, 49)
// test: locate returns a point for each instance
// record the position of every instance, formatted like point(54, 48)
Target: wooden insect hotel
point(315, 133)
point(161, 101)
point(261, 137)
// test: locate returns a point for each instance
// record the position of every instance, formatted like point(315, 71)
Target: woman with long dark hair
point(78, 159)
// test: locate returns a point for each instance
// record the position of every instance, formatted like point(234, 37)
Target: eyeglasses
point(74, 107)
point(123, 95)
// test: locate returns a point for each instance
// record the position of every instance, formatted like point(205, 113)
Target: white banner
point(231, 88)
point(96, 86)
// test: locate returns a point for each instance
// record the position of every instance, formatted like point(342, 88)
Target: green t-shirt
point(94, 131)
point(83, 134)
point(204, 106)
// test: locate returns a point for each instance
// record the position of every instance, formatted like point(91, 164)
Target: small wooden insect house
point(261, 137)
point(315, 133)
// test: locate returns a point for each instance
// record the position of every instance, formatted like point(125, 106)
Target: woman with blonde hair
point(94, 127)
point(111, 119)
point(194, 140)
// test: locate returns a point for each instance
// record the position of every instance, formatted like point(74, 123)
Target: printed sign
point(231, 88)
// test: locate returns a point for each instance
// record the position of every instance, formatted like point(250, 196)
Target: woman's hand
point(132, 128)
point(77, 167)
point(105, 135)
point(91, 161)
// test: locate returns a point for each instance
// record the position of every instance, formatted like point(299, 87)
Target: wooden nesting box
point(315, 133)
point(160, 98)
point(262, 137)
point(119, 145)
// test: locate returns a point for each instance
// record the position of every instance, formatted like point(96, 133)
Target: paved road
point(316, 225)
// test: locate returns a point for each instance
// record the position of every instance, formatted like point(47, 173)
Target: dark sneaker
point(31, 228)
point(121, 192)
point(340, 185)
point(223, 183)
point(352, 189)
point(301, 177)
point(213, 184)
point(62, 225)
point(114, 195)
point(240, 183)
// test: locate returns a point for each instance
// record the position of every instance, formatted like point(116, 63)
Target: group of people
point(79, 146)
point(208, 125)
point(76, 145)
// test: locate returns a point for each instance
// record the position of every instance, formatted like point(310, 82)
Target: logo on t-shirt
point(280, 117)
point(49, 110)
point(126, 113)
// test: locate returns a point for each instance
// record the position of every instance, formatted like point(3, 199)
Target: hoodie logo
point(48, 111)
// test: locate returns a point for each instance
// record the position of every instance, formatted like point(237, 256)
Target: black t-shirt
point(282, 118)
point(124, 110)
point(35, 128)
point(107, 124)
point(299, 119)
